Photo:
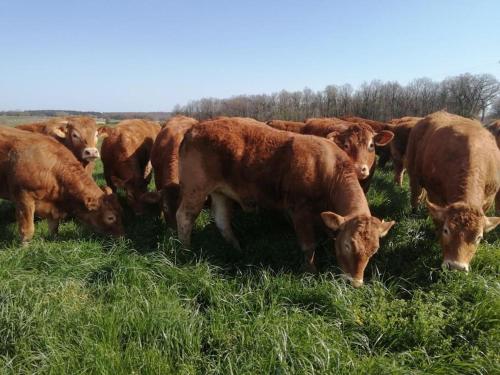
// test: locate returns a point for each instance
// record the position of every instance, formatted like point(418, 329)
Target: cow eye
point(347, 246)
point(346, 146)
point(110, 219)
point(479, 238)
point(371, 147)
point(446, 231)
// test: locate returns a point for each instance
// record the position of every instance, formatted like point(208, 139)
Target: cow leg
point(187, 213)
point(170, 203)
point(25, 214)
point(497, 203)
point(53, 226)
point(416, 192)
point(398, 171)
point(304, 228)
point(221, 210)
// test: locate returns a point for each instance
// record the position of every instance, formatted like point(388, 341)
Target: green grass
point(17, 120)
point(80, 303)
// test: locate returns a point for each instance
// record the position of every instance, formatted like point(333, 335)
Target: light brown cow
point(42, 177)
point(357, 140)
point(290, 126)
point(125, 154)
point(494, 128)
point(78, 134)
point(402, 128)
point(255, 165)
point(457, 162)
point(165, 161)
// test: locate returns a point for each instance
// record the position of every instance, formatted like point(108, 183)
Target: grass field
point(80, 303)
point(17, 120)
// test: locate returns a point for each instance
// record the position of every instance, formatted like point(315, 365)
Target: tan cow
point(125, 154)
point(309, 177)
point(78, 134)
point(457, 162)
point(165, 161)
point(43, 178)
point(290, 126)
point(402, 128)
point(357, 140)
point(494, 128)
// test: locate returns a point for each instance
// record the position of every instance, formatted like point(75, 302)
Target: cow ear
point(332, 220)
point(385, 226)
point(383, 137)
point(104, 131)
point(91, 204)
point(107, 190)
point(438, 213)
point(59, 131)
point(118, 182)
point(333, 136)
point(151, 197)
point(491, 223)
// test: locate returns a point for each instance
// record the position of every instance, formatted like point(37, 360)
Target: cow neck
point(78, 186)
point(347, 196)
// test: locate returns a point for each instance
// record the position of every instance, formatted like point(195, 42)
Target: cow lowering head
point(359, 141)
point(81, 138)
point(104, 214)
point(461, 228)
point(137, 193)
point(356, 242)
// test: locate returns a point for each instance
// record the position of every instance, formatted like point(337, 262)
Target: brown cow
point(125, 154)
point(402, 128)
point(43, 177)
point(357, 140)
point(78, 134)
point(494, 128)
point(165, 161)
point(457, 162)
point(235, 160)
point(384, 152)
point(290, 126)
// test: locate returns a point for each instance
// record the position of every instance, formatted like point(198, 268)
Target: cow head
point(461, 228)
point(359, 142)
point(81, 138)
point(357, 241)
point(104, 214)
point(137, 194)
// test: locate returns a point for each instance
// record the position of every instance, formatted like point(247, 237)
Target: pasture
point(80, 303)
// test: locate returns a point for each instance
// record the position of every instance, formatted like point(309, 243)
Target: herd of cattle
point(317, 171)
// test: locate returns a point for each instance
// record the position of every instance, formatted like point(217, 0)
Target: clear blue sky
point(149, 55)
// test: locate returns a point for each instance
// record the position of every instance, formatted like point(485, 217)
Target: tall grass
point(80, 303)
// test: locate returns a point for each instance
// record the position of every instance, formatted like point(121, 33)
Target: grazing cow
point(165, 161)
point(402, 128)
point(290, 126)
point(125, 154)
point(237, 160)
point(384, 152)
point(494, 128)
point(357, 140)
point(78, 134)
point(457, 162)
point(42, 177)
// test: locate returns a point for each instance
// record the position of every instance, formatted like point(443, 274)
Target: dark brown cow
point(252, 164)
point(125, 154)
point(42, 177)
point(402, 128)
point(357, 140)
point(290, 126)
point(494, 128)
point(384, 152)
point(78, 134)
point(457, 162)
point(165, 161)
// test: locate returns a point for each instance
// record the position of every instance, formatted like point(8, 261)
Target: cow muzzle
point(90, 154)
point(363, 172)
point(454, 265)
point(357, 283)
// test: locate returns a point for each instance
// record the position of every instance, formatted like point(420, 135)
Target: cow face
point(137, 194)
point(357, 240)
point(81, 138)
point(359, 142)
point(460, 229)
point(104, 214)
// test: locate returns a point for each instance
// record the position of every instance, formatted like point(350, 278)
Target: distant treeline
point(158, 116)
point(467, 95)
